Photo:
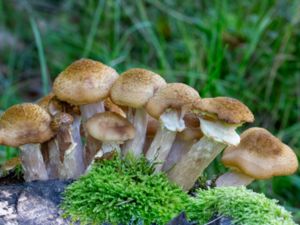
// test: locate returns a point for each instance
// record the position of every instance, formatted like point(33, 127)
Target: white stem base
point(33, 163)
point(160, 147)
point(140, 121)
point(233, 179)
point(191, 166)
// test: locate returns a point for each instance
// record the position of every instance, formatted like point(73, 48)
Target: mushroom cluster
point(92, 111)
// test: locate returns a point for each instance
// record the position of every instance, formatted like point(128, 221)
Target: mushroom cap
point(135, 86)
point(61, 120)
point(110, 106)
point(173, 95)
point(191, 120)
point(85, 81)
point(46, 100)
point(228, 110)
point(23, 124)
point(260, 155)
point(110, 127)
point(51, 104)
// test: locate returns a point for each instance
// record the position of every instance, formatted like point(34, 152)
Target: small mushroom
point(259, 155)
point(68, 162)
point(219, 117)
point(166, 106)
point(133, 89)
point(63, 156)
point(26, 126)
point(111, 129)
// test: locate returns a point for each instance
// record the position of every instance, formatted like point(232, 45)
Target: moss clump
point(242, 205)
point(123, 190)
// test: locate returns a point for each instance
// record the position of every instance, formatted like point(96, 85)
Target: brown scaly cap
point(85, 81)
point(61, 121)
point(173, 95)
point(23, 124)
point(110, 127)
point(260, 155)
point(135, 86)
point(228, 110)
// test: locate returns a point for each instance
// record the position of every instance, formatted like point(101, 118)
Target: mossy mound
point(242, 205)
point(123, 190)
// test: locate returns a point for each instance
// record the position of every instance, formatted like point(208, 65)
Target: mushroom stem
point(54, 159)
point(140, 121)
point(191, 165)
point(32, 162)
point(161, 145)
point(233, 178)
point(88, 110)
point(179, 148)
point(109, 147)
point(73, 165)
point(90, 149)
point(105, 148)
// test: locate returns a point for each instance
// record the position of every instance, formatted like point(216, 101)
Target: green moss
point(242, 205)
point(118, 191)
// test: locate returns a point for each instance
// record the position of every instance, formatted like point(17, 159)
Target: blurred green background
point(249, 50)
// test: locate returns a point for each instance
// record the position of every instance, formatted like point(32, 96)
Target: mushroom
point(111, 129)
point(133, 89)
point(63, 156)
point(85, 83)
point(50, 149)
point(219, 117)
point(259, 155)
point(166, 106)
point(68, 162)
point(26, 126)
